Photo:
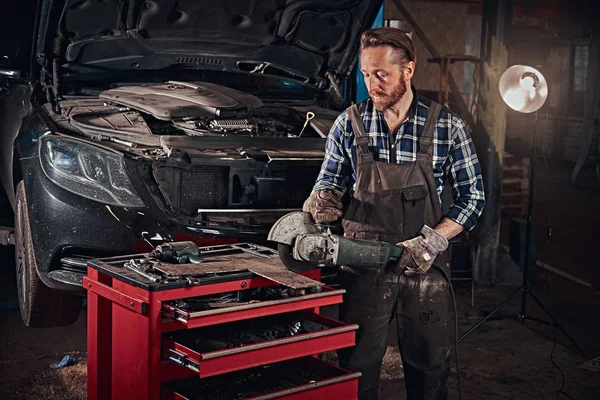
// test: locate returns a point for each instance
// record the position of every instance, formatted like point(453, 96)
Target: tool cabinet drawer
point(244, 344)
point(198, 312)
point(306, 378)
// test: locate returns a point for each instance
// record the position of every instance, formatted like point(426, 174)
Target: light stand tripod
point(525, 288)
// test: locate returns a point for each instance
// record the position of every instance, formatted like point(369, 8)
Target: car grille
point(207, 187)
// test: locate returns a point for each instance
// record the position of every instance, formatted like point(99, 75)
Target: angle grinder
point(304, 245)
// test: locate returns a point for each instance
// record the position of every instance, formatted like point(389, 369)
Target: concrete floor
point(503, 359)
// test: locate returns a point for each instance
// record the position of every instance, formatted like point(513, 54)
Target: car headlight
point(88, 171)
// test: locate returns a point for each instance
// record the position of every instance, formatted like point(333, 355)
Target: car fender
point(15, 105)
point(60, 220)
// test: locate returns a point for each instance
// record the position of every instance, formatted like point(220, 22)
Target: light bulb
point(527, 83)
point(523, 88)
point(515, 99)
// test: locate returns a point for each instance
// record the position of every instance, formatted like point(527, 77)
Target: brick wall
point(452, 29)
point(446, 26)
point(557, 137)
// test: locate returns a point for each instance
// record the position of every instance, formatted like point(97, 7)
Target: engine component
point(225, 125)
point(173, 99)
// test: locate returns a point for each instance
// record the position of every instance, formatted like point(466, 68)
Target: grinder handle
point(366, 253)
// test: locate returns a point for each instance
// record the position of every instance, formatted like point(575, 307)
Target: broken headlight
point(88, 171)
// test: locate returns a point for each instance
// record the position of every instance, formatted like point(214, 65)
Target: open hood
point(302, 40)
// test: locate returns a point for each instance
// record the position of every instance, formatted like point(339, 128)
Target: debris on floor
point(66, 361)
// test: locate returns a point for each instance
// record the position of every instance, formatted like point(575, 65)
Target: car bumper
point(67, 228)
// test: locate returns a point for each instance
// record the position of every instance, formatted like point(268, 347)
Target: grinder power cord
point(304, 245)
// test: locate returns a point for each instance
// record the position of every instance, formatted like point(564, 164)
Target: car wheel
point(40, 305)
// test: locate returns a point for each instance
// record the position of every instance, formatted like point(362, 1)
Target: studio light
point(524, 89)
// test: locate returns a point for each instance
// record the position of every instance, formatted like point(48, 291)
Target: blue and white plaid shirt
point(454, 155)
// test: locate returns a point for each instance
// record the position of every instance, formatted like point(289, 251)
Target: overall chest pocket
point(375, 212)
point(413, 207)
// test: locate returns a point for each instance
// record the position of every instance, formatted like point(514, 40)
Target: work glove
point(324, 205)
point(420, 252)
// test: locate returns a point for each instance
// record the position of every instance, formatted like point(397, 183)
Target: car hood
point(303, 40)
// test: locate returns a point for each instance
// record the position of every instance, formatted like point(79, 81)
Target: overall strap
point(427, 133)
point(362, 139)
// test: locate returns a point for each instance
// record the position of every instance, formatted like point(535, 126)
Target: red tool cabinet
point(143, 343)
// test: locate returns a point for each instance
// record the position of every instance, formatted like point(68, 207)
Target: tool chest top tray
point(304, 378)
point(223, 263)
point(243, 344)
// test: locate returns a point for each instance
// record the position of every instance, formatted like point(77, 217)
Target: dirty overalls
point(391, 202)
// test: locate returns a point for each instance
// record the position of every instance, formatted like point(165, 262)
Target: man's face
point(386, 82)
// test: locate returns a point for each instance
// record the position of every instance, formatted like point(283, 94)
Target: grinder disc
point(285, 255)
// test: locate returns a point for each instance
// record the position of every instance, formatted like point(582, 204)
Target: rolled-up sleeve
point(336, 165)
point(464, 175)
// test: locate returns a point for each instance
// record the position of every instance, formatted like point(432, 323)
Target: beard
point(382, 101)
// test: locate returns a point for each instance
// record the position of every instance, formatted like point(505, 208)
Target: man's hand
point(420, 252)
point(324, 205)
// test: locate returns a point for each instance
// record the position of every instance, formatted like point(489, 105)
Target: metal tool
point(143, 269)
point(177, 253)
point(304, 245)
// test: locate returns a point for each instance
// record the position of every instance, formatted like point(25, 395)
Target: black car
point(128, 123)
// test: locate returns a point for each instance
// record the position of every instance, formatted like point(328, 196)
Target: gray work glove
point(420, 252)
point(324, 205)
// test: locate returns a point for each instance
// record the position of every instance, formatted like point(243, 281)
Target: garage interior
point(463, 48)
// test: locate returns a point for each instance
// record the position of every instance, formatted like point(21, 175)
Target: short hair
point(402, 45)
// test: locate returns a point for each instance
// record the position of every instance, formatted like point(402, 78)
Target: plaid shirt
point(454, 155)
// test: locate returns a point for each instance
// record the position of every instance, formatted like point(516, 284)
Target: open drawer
point(305, 378)
point(249, 343)
point(187, 317)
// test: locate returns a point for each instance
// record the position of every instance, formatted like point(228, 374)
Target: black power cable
point(447, 278)
point(445, 275)
point(555, 340)
point(549, 236)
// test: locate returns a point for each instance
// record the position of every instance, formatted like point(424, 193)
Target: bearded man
point(395, 151)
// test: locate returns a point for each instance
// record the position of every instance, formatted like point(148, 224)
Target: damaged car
point(132, 123)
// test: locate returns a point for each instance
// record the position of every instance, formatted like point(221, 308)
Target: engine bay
point(210, 152)
point(250, 124)
point(267, 122)
point(197, 109)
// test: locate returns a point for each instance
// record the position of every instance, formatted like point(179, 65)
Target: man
point(398, 150)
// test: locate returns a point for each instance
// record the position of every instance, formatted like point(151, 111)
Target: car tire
point(40, 306)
